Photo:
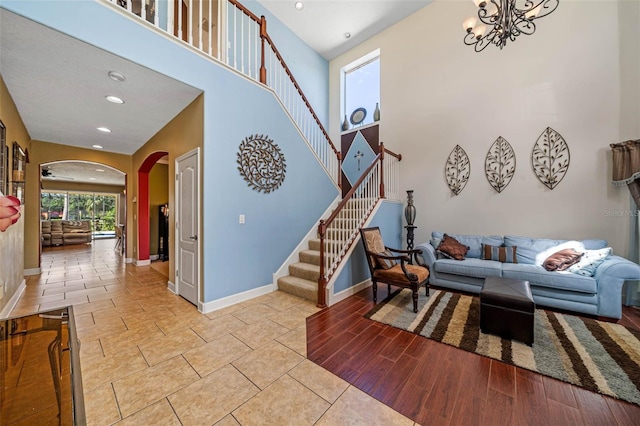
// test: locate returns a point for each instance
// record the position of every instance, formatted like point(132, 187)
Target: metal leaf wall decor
point(550, 158)
point(457, 170)
point(261, 163)
point(500, 164)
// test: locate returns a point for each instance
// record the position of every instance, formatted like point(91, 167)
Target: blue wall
point(236, 257)
point(389, 219)
point(310, 69)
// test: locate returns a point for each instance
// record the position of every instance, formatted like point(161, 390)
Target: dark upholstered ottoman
point(506, 309)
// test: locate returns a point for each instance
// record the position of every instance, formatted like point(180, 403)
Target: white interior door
point(187, 226)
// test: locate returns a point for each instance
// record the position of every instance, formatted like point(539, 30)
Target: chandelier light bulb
point(469, 23)
point(533, 12)
point(479, 31)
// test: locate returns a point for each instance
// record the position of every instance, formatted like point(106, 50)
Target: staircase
point(303, 277)
point(302, 280)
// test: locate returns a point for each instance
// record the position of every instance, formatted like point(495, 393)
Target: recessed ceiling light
point(347, 34)
point(116, 76)
point(97, 146)
point(104, 129)
point(299, 5)
point(99, 170)
point(114, 99)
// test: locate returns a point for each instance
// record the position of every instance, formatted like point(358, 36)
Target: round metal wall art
point(261, 163)
point(457, 170)
point(550, 158)
point(500, 164)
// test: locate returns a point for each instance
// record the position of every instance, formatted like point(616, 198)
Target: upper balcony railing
point(207, 25)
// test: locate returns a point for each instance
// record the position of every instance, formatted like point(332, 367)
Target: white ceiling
point(82, 172)
point(59, 85)
point(323, 23)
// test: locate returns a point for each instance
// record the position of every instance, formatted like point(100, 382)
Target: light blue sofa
point(599, 295)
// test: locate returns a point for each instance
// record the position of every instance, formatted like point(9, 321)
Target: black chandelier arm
point(547, 6)
point(481, 43)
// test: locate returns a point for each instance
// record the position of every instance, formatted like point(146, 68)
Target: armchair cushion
point(383, 263)
point(396, 273)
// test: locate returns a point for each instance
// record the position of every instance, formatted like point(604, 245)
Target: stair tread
point(300, 282)
point(307, 266)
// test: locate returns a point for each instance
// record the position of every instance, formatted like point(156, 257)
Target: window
point(361, 87)
point(101, 209)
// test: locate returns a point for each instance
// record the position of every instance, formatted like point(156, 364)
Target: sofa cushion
point(529, 248)
point(451, 247)
point(469, 267)
point(537, 276)
point(501, 254)
point(474, 242)
point(562, 259)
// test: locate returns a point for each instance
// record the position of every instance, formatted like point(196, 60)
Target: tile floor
point(149, 357)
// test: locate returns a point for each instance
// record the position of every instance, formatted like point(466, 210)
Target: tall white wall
point(437, 92)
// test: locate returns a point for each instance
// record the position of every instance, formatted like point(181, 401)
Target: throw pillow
point(452, 247)
point(501, 254)
point(385, 263)
point(562, 259)
point(544, 254)
point(590, 262)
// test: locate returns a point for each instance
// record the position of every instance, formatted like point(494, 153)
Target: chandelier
point(505, 20)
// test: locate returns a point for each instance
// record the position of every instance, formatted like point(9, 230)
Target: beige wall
point(437, 92)
point(12, 246)
point(183, 134)
point(46, 152)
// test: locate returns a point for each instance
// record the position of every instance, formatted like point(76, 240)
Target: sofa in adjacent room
point(64, 232)
point(592, 285)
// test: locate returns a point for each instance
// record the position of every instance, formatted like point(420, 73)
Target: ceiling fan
point(47, 173)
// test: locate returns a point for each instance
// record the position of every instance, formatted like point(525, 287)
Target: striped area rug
point(599, 356)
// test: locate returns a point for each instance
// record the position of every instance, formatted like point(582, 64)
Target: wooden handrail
point(304, 98)
point(245, 10)
point(398, 156)
point(322, 228)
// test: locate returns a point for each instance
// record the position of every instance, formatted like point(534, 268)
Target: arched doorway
point(143, 206)
point(82, 191)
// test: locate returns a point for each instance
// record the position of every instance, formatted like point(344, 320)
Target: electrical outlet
point(241, 219)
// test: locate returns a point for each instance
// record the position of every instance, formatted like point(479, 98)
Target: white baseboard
point(349, 292)
point(214, 305)
point(145, 262)
point(128, 260)
point(172, 287)
point(32, 271)
point(14, 300)
point(154, 257)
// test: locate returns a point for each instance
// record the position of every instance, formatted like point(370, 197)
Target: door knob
point(195, 237)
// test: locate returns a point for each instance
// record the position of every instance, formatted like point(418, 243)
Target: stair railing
point(247, 47)
point(252, 52)
point(338, 232)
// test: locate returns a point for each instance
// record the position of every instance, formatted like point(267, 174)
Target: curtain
point(626, 171)
point(631, 289)
point(626, 167)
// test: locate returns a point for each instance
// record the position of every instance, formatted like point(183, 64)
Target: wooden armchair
point(384, 266)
